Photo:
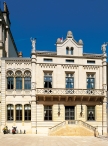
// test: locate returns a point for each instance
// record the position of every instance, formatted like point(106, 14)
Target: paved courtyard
point(33, 140)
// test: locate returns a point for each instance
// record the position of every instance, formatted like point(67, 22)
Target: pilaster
point(33, 88)
point(104, 82)
point(3, 100)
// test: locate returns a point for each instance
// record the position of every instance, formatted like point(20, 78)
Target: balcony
point(74, 92)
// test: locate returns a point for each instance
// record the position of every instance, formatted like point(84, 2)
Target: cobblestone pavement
point(34, 140)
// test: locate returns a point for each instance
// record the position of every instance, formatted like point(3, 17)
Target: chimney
point(19, 54)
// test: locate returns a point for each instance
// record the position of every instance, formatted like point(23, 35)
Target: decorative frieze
point(48, 65)
point(90, 67)
point(69, 66)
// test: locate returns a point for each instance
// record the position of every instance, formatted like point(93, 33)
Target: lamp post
point(36, 101)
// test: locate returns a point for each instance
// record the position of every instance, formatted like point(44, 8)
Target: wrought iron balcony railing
point(64, 91)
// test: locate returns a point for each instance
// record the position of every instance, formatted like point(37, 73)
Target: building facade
point(51, 87)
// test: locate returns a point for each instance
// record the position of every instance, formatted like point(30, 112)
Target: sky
point(47, 20)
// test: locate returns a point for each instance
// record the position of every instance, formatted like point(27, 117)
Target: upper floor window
point(47, 80)
point(10, 80)
point(27, 80)
point(9, 112)
point(90, 81)
point(27, 112)
point(69, 60)
point(18, 80)
point(67, 50)
point(69, 80)
point(91, 61)
point(71, 51)
point(47, 60)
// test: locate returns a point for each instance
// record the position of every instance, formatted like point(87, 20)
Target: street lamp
point(36, 101)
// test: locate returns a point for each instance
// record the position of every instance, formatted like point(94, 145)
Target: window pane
point(27, 112)
point(18, 83)
point(10, 112)
point(47, 80)
point(27, 83)
point(67, 50)
point(91, 113)
point(90, 82)
point(10, 82)
point(69, 82)
point(47, 112)
point(18, 112)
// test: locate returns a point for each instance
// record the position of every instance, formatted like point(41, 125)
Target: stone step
point(72, 131)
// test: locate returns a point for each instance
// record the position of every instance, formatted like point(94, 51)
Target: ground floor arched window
point(18, 112)
point(10, 112)
point(27, 112)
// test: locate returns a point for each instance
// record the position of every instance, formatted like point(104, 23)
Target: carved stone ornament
point(27, 73)
point(10, 73)
point(33, 85)
point(105, 87)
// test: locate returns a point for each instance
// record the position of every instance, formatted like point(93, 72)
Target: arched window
point(71, 51)
point(67, 50)
point(18, 75)
point(27, 112)
point(18, 112)
point(10, 80)
point(27, 80)
point(10, 112)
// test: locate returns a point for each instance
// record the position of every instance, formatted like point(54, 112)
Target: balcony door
point(69, 113)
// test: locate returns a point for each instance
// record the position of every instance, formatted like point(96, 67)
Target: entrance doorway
point(69, 113)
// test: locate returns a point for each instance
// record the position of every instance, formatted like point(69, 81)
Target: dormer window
point(71, 51)
point(67, 50)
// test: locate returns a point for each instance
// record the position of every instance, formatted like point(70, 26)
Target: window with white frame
point(90, 81)
point(47, 79)
point(69, 79)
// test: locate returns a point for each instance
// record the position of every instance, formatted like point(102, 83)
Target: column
point(3, 96)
